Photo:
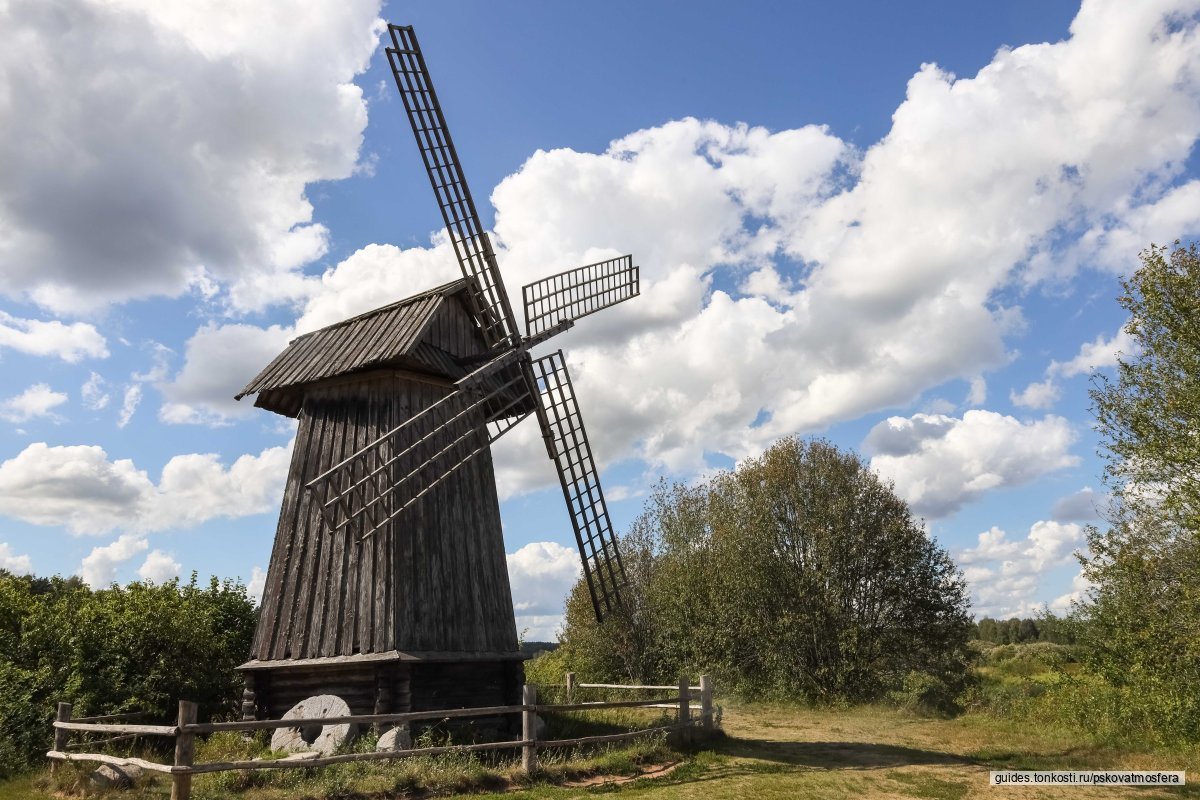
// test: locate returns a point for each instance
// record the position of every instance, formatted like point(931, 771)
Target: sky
point(897, 226)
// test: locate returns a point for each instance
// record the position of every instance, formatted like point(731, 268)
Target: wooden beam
point(185, 751)
point(114, 760)
point(359, 719)
point(529, 759)
point(105, 727)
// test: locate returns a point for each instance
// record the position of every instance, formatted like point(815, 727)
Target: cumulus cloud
point(541, 575)
point(99, 567)
point(80, 488)
point(1100, 353)
point(159, 567)
point(1082, 506)
point(1080, 589)
point(218, 361)
point(789, 281)
point(862, 279)
point(188, 143)
point(71, 343)
point(18, 565)
point(1005, 575)
point(257, 583)
point(38, 400)
point(941, 463)
point(1041, 394)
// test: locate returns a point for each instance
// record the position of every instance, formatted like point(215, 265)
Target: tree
point(1149, 416)
point(1141, 622)
point(800, 574)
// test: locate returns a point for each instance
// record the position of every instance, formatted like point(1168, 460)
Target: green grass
point(770, 751)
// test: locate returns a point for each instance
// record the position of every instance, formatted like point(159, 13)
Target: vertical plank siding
point(434, 581)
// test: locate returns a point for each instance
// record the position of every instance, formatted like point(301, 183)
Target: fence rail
point(186, 729)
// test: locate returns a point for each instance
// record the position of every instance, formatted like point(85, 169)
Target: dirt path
point(772, 753)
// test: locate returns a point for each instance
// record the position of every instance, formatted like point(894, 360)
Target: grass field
point(777, 752)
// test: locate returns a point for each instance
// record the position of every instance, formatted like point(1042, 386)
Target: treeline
point(1048, 628)
point(139, 647)
point(799, 575)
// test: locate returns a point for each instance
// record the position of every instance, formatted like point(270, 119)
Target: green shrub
point(923, 693)
point(141, 647)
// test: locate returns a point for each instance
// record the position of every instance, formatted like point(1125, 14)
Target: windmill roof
point(372, 339)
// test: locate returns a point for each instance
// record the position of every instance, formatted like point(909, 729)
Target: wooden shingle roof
point(382, 337)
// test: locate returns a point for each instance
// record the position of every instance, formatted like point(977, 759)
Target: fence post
point(706, 708)
point(185, 750)
point(685, 712)
point(529, 761)
point(571, 680)
point(61, 737)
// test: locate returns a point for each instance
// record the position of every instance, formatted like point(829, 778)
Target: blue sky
point(898, 226)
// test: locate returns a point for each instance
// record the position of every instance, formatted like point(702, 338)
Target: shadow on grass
point(834, 755)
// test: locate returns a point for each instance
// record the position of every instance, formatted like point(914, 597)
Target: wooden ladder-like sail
point(372, 487)
point(568, 446)
point(472, 247)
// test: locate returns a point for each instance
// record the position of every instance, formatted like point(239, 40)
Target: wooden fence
point(186, 728)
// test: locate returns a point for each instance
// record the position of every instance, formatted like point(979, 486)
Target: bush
point(922, 693)
point(141, 647)
point(800, 575)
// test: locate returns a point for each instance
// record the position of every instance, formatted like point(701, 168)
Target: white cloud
point(1009, 585)
point(148, 139)
point(159, 567)
point(99, 568)
point(133, 398)
point(1080, 586)
point(1037, 395)
point(1052, 543)
point(541, 575)
point(18, 565)
point(1097, 354)
point(218, 361)
point(374, 276)
point(258, 582)
point(993, 546)
point(1094, 355)
point(865, 279)
point(71, 343)
point(38, 400)
point(940, 463)
point(93, 393)
point(80, 488)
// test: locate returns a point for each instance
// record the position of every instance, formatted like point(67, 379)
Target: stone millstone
point(314, 737)
point(397, 738)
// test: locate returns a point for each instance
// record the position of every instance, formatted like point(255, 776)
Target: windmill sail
point(567, 443)
point(489, 300)
point(578, 292)
point(370, 488)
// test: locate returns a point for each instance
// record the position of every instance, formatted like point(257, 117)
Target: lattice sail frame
point(472, 248)
point(372, 487)
point(569, 448)
point(578, 292)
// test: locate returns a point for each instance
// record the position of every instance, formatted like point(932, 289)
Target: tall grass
point(1044, 684)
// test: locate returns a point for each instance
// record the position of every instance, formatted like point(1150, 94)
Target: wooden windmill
point(388, 583)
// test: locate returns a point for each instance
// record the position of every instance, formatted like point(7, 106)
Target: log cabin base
point(394, 683)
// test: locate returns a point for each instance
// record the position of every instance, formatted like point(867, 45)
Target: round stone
point(397, 738)
point(314, 737)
